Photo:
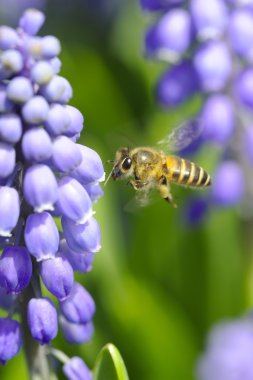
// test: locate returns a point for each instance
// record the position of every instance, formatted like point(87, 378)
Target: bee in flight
point(148, 168)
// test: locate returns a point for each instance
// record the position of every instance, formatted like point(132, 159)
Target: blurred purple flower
point(228, 353)
point(209, 46)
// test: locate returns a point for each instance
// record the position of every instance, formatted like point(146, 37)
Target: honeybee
point(149, 168)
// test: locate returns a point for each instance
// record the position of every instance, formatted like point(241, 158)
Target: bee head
point(123, 164)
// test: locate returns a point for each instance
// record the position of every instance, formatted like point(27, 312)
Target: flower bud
point(19, 90)
point(58, 276)
point(57, 90)
point(36, 145)
point(66, 155)
point(15, 269)
point(8, 38)
point(10, 339)
point(82, 237)
point(79, 307)
point(7, 159)
point(74, 201)
point(10, 128)
point(94, 190)
point(91, 168)
point(42, 72)
point(76, 121)
point(58, 120)
point(35, 111)
point(31, 21)
point(42, 319)
point(41, 236)
point(210, 18)
point(244, 88)
point(170, 37)
point(80, 261)
point(213, 77)
point(218, 119)
point(241, 33)
point(177, 84)
point(40, 187)
point(228, 184)
point(76, 333)
point(76, 369)
point(9, 210)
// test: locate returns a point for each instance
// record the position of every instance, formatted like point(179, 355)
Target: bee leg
point(137, 184)
point(165, 191)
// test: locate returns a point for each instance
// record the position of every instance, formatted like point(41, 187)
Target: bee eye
point(127, 163)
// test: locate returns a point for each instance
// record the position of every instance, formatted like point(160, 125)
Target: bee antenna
point(109, 176)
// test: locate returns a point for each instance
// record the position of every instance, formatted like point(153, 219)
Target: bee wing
point(141, 199)
point(182, 136)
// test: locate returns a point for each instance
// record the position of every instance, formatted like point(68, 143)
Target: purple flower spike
point(57, 90)
point(10, 339)
point(42, 319)
point(218, 119)
point(244, 88)
point(8, 38)
point(91, 168)
point(79, 307)
point(9, 210)
point(170, 37)
point(76, 333)
point(210, 18)
point(80, 261)
point(66, 154)
point(35, 110)
point(7, 159)
point(74, 201)
point(228, 184)
point(177, 84)
point(76, 121)
point(19, 90)
point(241, 33)
point(82, 237)
point(40, 188)
point(42, 72)
point(58, 276)
point(58, 120)
point(31, 21)
point(213, 77)
point(76, 369)
point(228, 354)
point(41, 236)
point(36, 145)
point(10, 128)
point(15, 269)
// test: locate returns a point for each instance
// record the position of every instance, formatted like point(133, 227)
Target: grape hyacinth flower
point(45, 177)
point(228, 354)
point(208, 46)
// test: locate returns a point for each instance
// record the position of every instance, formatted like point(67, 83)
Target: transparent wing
point(141, 199)
point(182, 136)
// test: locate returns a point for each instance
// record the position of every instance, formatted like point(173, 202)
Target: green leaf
point(110, 365)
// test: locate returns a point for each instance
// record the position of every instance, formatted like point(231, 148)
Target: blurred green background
point(158, 283)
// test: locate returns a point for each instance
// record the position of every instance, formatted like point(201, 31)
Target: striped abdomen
point(186, 172)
